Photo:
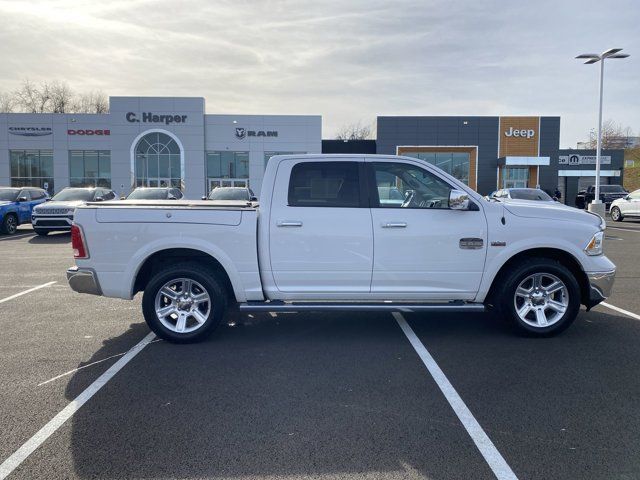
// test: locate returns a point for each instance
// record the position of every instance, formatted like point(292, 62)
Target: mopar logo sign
point(30, 131)
point(150, 117)
point(583, 159)
point(242, 133)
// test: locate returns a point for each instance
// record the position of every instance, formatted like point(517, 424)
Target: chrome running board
point(280, 306)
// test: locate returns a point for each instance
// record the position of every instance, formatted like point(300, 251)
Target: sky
point(347, 60)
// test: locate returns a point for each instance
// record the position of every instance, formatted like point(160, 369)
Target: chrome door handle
point(289, 223)
point(394, 225)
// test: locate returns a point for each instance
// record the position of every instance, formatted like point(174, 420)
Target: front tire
point(540, 297)
point(616, 214)
point(184, 303)
point(10, 224)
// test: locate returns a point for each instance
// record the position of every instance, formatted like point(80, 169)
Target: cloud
point(346, 60)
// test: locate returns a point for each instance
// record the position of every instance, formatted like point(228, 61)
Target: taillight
point(77, 243)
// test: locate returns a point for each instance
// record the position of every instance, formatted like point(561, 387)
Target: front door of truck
point(320, 239)
point(422, 249)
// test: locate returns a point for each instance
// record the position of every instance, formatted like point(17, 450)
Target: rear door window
point(325, 184)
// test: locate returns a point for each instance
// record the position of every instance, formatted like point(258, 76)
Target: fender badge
point(498, 244)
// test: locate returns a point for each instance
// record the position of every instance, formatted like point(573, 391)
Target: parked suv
point(16, 205)
point(155, 193)
point(521, 194)
point(608, 193)
point(628, 206)
point(57, 215)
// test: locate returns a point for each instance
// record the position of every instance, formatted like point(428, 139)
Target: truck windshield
point(222, 193)
point(8, 194)
point(612, 189)
point(148, 194)
point(73, 194)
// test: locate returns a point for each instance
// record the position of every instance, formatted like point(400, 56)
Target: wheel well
point(154, 262)
point(561, 256)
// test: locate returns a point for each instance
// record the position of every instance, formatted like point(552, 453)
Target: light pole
point(599, 208)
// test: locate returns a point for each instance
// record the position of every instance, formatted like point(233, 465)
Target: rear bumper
point(83, 280)
point(600, 286)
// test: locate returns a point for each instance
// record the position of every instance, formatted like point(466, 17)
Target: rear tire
point(539, 297)
point(10, 224)
point(42, 233)
point(184, 303)
point(616, 214)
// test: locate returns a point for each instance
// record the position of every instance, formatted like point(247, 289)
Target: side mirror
point(47, 199)
point(123, 197)
point(203, 198)
point(22, 199)
point(253, 199)
point(459, 200)
point(627, 198)
point(98, 199)
point(171, 197)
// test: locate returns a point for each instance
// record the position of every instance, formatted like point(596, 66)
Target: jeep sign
point(524, 133)
point(150, 117)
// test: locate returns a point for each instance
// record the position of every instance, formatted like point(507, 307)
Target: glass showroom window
point(227, 169)
point(515, 177)
point(454, 163)
point(90, 168)
point(32, 168)
point(158, 161)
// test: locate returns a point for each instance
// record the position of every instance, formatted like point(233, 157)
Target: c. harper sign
point(31, 131)
point(150, 117)
point(583, 159)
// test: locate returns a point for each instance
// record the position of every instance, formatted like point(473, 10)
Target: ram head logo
point(241, 132)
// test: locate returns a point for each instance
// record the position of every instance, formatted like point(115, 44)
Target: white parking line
point(20, 455)
point(87, 365)
point(48, 284)
point(492, 456)
point(19, 235)
point(625, 229)
point(620, 310)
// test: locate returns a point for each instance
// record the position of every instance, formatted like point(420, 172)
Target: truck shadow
point(319, 395)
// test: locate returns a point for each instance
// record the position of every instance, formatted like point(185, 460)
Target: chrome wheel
point(541, 300)
point(615, 214)
point(182, 305)
point(11, 224)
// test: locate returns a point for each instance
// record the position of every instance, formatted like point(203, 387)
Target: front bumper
point(52, 222)
point(83, 280)
point(600, 286)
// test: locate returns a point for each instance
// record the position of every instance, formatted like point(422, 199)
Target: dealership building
point(149, 141)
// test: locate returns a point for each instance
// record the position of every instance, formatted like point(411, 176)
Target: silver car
point(57, 214)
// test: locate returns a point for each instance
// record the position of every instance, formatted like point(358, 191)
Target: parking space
point(313, 396)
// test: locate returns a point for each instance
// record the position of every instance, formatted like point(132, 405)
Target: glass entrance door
point(515, 177)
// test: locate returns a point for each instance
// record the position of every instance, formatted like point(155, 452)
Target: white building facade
point(149, 141)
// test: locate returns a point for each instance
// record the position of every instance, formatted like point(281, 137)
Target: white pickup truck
point(344, 232)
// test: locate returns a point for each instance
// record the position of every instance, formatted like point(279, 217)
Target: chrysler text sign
point(31, 131)
point(150, 117)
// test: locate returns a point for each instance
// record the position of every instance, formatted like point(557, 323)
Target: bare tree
point(614, 136)
point(7, 102)
point(61, 96)
point(92, 102)
point(354, 131)
point(31, 98)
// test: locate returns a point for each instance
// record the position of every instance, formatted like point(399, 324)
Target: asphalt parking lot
point(311, 396)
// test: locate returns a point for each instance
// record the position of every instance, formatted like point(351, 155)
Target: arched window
point(158, 161)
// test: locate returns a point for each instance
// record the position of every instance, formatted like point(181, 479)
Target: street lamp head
point(593, 60)
point(618, 55)
point(611, 51)
point(589, 55)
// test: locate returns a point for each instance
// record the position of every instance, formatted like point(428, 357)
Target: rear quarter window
point(324, 184)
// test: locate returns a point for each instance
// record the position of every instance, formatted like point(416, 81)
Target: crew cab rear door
point(320, 238)
point(422, 249)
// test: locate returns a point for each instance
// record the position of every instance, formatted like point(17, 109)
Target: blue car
point(16, 205)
